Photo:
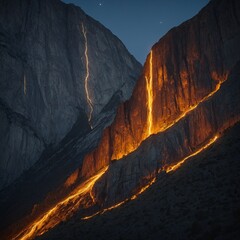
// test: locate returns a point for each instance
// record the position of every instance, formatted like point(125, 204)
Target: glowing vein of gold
point(149, 85)
point(87, 74)
point(180, 117)
point(38, 227)
point(174, 167)
point(168, 169)
point(143, 189)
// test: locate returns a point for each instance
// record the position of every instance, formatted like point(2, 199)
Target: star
point(100, 4)
point(161, 22)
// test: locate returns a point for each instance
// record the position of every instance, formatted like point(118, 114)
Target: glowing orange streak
point(218, 86)
point(149, 85)
point(164, 128)
point(90, 104)
point(178, 164)
point(143, 189)
point(38, 227)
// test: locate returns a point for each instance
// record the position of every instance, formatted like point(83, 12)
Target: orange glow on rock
point(61, 211)
point(143, 189)
point(71, 179)
point(149, 89)
point(167, 169)
point(175, 166)
point(158, 129)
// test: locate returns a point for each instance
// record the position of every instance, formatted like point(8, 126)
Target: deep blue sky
point(140, 23)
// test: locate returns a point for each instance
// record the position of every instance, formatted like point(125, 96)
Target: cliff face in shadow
point(58, 67)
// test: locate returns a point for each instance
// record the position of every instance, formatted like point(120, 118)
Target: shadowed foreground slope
point(198, 201)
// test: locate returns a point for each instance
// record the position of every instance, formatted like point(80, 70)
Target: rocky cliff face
point(177, 98)
point(58, 67)
point(187, 95)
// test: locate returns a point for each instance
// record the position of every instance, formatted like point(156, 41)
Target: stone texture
point(126, 176)
point(43, 69)
point(188, 63)
point(199, 201)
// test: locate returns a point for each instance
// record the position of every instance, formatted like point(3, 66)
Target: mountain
point(199, 201)
point(184, 102)
point(186, 97)
point(59, 68)
point(63, 75)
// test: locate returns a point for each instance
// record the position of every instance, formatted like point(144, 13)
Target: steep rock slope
point(183, 69)
point(58, 67)
point(186, 97)
point(162, 152)
point(198, 201)
point(183, 84)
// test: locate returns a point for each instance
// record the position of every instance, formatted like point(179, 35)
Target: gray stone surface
point(43, 68)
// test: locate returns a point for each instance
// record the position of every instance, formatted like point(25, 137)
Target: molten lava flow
point(149, 88)
point(143, 189)
point(61, 211)
point(87, 74)
point(156, 130)
point(191, 108)
point(178, 164)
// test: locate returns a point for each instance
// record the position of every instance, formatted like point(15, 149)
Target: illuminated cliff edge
point(149, 89)
point(86, 80)
point(71, 204)
point(62, 211)
point(167, 169)
point(66, 208)
point(215, 68)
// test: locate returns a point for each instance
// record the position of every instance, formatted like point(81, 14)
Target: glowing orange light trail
point(149, 86)
point(143, 189)
point(179, 164)
point(164, 128)
point(53, 216)
point(90, 104)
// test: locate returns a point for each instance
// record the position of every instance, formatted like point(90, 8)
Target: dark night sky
point(140, 23)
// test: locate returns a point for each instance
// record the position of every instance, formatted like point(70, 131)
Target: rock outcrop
point(175, 99)
point(54, 59)
point(186, 97)
point(199, 201)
